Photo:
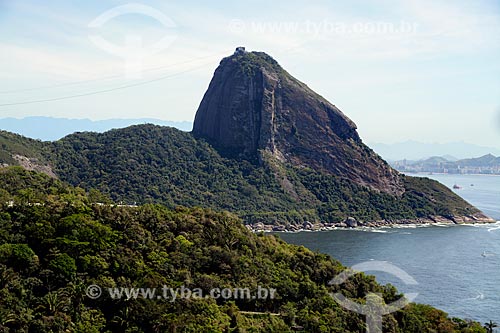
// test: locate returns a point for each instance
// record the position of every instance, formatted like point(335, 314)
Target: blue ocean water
point(457, 268)
point(481, 191)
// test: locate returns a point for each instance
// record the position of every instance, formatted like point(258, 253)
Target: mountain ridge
point(253, 105)
point(54, 128)
point(155, 164)
point(263, 145)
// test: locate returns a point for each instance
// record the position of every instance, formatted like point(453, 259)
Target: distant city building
point(487, 164)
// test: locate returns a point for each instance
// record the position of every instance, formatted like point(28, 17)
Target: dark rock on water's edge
point(352, 223)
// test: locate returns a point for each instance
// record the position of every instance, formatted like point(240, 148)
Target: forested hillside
point(154, 164)
point(56, 241)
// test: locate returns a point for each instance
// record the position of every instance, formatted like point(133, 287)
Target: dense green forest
point(154, 164)
point(55, 241)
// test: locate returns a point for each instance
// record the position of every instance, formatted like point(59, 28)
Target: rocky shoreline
point(352, 223)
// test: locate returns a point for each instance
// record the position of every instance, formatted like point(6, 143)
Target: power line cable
point(104, 90)
point(106, 77)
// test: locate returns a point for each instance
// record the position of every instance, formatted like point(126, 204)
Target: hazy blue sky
point(421, 70)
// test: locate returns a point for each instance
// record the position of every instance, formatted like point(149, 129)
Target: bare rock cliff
point(253, 106)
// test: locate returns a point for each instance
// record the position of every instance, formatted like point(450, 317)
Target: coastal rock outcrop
point(253, 107)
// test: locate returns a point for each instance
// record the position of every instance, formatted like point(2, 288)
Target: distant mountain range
point(51, 129)
point(487, 164)
point(414, 151)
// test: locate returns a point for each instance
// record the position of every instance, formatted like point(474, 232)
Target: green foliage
point(249, 62)
point(63, 265)
point(20, 255)
point(429, 197)
point(14, 144)
point(154, 164)
point(51, 252)
point(490, 326)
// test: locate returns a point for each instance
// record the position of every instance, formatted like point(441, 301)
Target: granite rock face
point(254, 108)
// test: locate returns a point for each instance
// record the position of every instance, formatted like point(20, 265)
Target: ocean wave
point(489, 226)
point(497, 227)
point(378, 230)
point(479, 296)
point(406, 226)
